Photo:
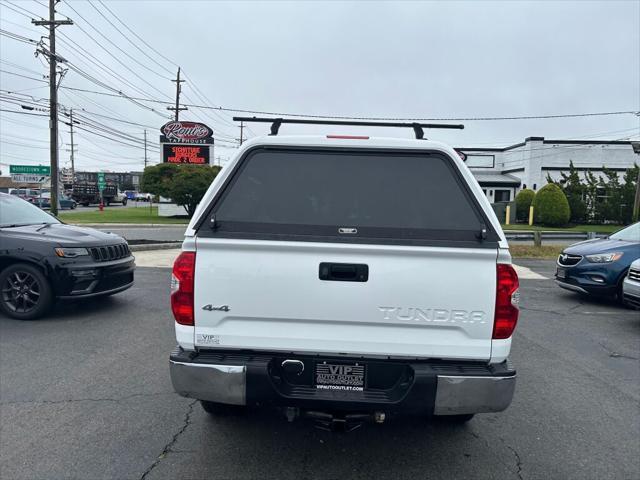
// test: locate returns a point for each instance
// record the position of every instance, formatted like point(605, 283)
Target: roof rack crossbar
point(418, 128)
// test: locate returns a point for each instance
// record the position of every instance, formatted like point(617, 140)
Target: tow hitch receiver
point(342, 423)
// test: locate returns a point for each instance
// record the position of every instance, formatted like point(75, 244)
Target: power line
point(32, 15)
point(136, 35)
point(195, 88)
point(16, 11)
point(131, 71)
point(23, 76)
point(94, 80)
point(127, 38)
point(15, 65)
point(88, 57)
point(114, 44)
point(15, 24)
point(398, 119)
point(18, 37)
point(25, 145)
point(24, 113)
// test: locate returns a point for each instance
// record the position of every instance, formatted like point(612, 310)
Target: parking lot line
point(525, 273)
point(156, 258)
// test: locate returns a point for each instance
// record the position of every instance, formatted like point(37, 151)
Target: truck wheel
point(457, 419)
point(85, 204)
point(25, 292)
point(222, 409)
point(124, 201)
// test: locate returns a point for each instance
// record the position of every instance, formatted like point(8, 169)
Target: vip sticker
point(206, 339)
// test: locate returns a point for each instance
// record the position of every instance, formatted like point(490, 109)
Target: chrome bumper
point(214, 383)
point(459, 395)
point(455, 395)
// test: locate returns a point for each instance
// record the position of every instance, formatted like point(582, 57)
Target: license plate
point(330, 376)
point(561, 273)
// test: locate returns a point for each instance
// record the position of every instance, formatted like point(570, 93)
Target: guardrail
point(551, 235)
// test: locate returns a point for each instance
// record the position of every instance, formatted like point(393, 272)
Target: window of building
point(502, 196)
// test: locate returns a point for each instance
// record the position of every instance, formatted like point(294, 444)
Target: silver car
point(631, 285)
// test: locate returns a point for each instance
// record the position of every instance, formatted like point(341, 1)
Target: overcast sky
point(372, 59)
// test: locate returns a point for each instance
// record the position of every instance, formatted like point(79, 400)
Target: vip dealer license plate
point(349, 377)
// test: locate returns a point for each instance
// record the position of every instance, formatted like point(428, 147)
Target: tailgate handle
point(344, 272)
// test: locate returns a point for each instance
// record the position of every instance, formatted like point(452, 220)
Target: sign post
point(101, 185)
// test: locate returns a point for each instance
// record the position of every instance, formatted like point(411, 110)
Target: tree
point(574, 189)
point(157, 178)
point(550, 206)
point(628, 192)
point(609, 185)
point(594, 213)
point(190, 184)
point(184, 184)
point(523, 202)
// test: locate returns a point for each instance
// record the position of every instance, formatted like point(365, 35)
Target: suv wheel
point(25, 292)
point(221, 409)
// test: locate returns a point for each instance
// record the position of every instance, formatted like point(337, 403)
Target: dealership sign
point(185, 154)
point(186, 132)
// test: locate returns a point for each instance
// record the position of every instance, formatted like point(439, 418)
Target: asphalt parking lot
point(86, 394)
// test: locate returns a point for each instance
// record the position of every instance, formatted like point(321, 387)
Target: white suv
point(345, 277)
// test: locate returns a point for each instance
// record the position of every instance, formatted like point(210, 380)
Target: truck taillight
point(507, 298)
point(182, 281)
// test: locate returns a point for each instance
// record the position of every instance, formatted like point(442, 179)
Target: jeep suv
point(343, 278)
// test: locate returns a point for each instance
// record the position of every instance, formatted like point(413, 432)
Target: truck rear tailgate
point(419, 302)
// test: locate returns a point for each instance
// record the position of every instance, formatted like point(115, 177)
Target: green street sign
point(101, 182)
point(30, 169)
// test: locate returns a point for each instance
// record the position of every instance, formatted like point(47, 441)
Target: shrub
point(184, 184)
point(523, 202)
point(551, 207)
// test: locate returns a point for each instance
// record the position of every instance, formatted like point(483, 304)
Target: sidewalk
point(165, 258)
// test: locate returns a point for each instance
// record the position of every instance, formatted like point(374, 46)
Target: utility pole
point(145, 149)
point(241, 132)
point(52, 23)
point(177, 108)
point(73, 167)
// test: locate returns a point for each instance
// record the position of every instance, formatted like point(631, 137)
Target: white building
point(502, 172)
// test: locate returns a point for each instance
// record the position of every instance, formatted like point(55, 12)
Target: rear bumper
point(437, 388)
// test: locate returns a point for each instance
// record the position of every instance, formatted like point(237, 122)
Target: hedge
point(551, 207)
point(523, 202)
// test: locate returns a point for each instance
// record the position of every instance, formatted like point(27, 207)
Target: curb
point(130, 225)
point(154, 246)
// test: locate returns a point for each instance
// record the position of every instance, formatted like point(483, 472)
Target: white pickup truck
point(342, 278)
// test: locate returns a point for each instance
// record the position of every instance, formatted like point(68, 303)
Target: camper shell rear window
point(348, 195)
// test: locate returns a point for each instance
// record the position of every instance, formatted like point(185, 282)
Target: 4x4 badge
point(211, 308)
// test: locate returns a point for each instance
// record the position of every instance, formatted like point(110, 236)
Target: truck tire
point(222, 409)
point(85, 204)
point(25, 293)
point(124, 201)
